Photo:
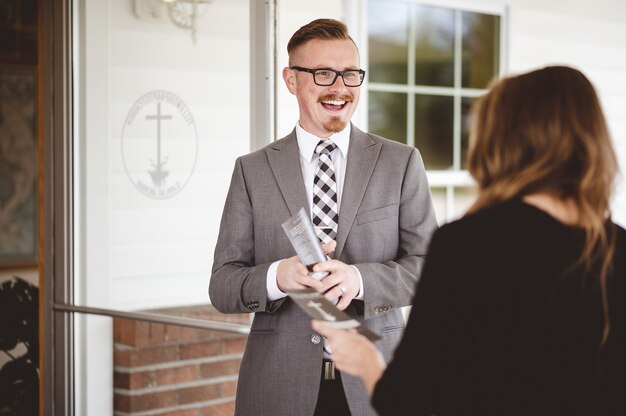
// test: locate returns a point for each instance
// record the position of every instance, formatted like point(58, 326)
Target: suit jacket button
point(316, 338)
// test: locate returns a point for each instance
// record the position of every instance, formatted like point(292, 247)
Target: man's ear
point(289, 76)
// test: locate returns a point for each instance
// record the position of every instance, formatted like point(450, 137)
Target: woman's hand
point(353, 353)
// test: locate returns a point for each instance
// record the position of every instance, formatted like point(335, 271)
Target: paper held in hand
point(301, 233)
point(318, 307)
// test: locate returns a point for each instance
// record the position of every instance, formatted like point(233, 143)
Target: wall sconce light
point(183, 13)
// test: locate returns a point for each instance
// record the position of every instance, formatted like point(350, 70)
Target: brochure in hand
point(301, 233)
point(318, 307)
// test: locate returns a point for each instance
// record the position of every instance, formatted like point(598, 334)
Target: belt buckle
point(329, 370)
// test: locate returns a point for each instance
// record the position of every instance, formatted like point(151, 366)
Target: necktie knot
point(325, 147)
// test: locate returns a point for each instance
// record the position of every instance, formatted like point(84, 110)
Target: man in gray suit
point(385, 221)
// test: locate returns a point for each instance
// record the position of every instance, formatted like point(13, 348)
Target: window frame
point(456, 177)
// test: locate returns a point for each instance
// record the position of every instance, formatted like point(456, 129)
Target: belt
point(328, 367)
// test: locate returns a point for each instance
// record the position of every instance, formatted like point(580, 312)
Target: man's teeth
point(334, 102)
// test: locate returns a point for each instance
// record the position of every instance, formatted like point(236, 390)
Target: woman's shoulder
point(496, 224)
point(503, 214)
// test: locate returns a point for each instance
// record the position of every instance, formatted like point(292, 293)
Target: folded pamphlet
point(301, 233)
point(318, 307)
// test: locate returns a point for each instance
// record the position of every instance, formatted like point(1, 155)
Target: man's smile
point(334, 103)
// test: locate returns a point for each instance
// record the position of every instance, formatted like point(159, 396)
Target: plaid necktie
point(325, 212)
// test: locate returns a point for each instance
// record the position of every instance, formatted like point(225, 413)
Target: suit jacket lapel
point(284, 160)
point(362, 156)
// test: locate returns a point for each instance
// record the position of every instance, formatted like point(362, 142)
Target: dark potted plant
point(19, 323)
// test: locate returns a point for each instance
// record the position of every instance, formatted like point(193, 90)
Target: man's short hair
point(324, 29)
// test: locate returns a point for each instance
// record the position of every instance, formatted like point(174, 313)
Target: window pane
point(452, 202)
point(388, 40)
point(438, 195)
point(434, 46)
point(481, 49)
point(388, 114)
point(464, 197)
point(466, 103)
point(434, 129)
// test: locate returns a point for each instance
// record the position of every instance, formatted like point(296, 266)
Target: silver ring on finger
point(343, 289)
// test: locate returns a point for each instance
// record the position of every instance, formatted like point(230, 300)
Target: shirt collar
point(307, 141)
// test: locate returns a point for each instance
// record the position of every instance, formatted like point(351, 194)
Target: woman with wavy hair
point(521, 307)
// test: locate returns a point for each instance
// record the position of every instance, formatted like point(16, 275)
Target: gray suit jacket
point(385, 224)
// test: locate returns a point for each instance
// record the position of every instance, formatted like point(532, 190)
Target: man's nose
point(338, 84)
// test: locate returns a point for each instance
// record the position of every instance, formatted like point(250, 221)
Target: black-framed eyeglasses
point(326, 76)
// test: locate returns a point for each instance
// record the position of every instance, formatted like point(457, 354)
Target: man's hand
point(343, 282)
point(293, 275)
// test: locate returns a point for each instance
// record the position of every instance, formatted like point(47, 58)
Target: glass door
point(151, 104)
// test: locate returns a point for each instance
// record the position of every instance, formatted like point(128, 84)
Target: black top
point(504, 324)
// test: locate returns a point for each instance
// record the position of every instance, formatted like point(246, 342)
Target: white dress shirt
point(308, 162)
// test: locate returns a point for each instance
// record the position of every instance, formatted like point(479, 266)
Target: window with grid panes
point(427, 63)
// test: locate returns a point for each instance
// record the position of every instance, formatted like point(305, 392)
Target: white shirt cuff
point(360, 295)
point(273, 292)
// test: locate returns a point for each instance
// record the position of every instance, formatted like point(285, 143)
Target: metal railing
point(156, 318)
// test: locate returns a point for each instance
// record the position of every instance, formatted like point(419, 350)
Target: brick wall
point(168, 370)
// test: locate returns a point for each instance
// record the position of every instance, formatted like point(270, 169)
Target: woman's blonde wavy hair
point(544, 131)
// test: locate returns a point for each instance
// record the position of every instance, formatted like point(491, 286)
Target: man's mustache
point(346, 98)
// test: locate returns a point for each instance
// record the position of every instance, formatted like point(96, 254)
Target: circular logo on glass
point(159, 144)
